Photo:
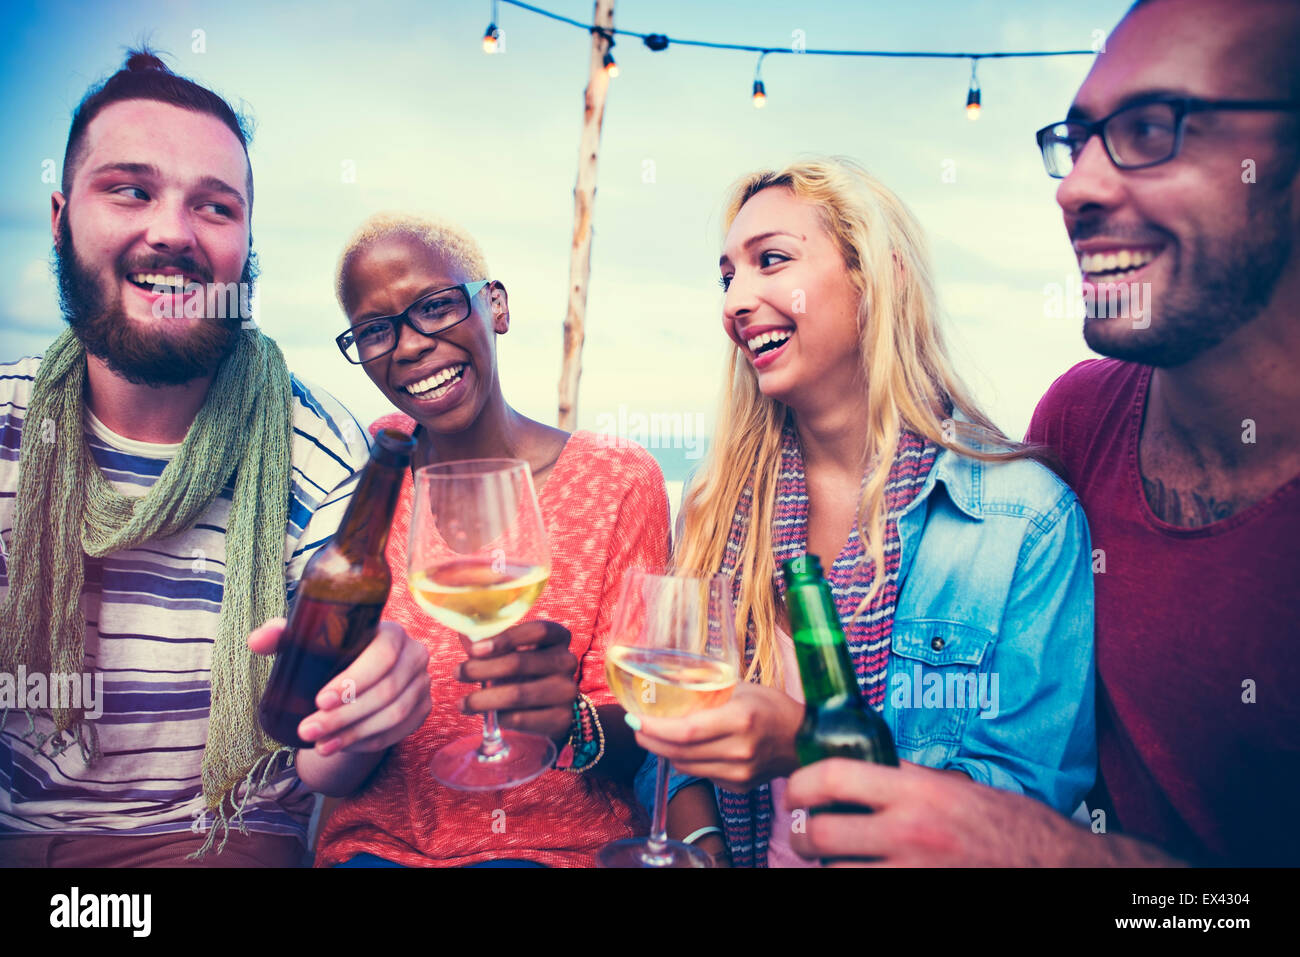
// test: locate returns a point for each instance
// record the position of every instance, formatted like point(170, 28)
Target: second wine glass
point(674, 653)
point(478, 560)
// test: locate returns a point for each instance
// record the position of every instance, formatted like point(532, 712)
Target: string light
point(611, 68)
point(659, 41)
point(760, 93)
point(491, 36)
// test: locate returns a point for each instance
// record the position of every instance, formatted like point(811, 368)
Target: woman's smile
point(438, 390)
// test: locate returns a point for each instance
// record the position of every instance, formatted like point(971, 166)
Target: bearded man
point(1179, 163)
point(163, 481)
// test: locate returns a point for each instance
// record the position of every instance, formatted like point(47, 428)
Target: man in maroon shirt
point(1180, 167)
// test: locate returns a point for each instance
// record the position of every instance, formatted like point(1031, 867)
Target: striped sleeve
point(151, 618)
point(330, 449)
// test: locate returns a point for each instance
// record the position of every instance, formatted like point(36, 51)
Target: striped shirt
point(151, 619)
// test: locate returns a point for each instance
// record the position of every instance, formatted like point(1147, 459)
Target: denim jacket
point(991, 658)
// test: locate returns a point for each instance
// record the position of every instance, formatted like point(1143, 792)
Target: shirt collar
point(962, 478)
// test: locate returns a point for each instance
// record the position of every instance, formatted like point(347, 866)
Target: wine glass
point(478, 559)
point(674, 653)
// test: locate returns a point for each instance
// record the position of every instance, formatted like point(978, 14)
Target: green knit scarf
point(66, 509)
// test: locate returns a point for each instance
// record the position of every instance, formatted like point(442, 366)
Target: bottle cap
point(393, 447)
point(802, 566)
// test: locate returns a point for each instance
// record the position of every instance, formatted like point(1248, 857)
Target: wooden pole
point(584, 198)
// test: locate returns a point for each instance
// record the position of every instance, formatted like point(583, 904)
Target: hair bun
point(141, 60)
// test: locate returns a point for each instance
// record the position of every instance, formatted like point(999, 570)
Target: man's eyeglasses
point(1139, 135)
point(429, 315)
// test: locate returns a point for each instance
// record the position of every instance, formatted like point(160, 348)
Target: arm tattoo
point(1186, 508)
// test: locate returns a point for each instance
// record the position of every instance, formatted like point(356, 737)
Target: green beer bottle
point(837, 721)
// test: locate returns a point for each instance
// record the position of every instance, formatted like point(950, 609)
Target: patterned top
point(606, 510)
point(151, 619)
point(747, 817)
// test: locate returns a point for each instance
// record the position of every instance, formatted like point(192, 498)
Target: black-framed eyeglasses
point(1139, 135)
point(432, 314)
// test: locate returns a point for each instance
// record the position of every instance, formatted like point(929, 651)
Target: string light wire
point(661, 41)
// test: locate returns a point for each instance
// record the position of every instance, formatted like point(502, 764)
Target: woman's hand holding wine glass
point(531, 671)
point(674, 654)
point(744, 743)
point(478, 559)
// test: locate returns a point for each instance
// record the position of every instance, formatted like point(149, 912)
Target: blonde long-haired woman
point(956, 559)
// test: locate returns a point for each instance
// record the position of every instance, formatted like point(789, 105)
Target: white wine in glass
point(667, 684)
point(478, 560)
point(476, 597)
point(674, 653)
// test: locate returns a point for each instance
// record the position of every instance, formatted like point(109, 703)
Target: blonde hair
point(456, 245)
point(909, 377)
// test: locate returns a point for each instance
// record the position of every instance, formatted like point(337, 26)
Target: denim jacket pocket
point(937, 679)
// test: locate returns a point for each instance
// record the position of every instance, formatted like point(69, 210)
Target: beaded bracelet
point(586, 737)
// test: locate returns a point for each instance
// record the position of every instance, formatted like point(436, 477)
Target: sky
point(394, 106)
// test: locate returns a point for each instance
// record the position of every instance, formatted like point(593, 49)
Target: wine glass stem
point(658, 840)
point(493, 744)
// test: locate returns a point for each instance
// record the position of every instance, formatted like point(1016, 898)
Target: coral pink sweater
point(606, 510)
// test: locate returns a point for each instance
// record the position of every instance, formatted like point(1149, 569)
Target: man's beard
point(142, 354)
point(1225, 283)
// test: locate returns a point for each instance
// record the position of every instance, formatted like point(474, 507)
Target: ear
point(500, 305)
point(58, 203)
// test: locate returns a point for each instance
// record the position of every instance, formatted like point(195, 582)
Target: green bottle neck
point(825, 668)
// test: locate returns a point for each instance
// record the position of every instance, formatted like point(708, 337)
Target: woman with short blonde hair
point(424, 317)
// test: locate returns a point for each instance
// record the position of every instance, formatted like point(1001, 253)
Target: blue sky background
point(404, 92)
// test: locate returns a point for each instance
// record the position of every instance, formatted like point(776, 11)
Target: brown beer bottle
point(340, 597)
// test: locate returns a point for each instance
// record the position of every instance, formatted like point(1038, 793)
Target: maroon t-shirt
point(1198, 640)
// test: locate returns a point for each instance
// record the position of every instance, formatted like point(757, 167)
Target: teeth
point(1109, 262)
point(157, 279)
point(436, 382)
point(758, 342)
